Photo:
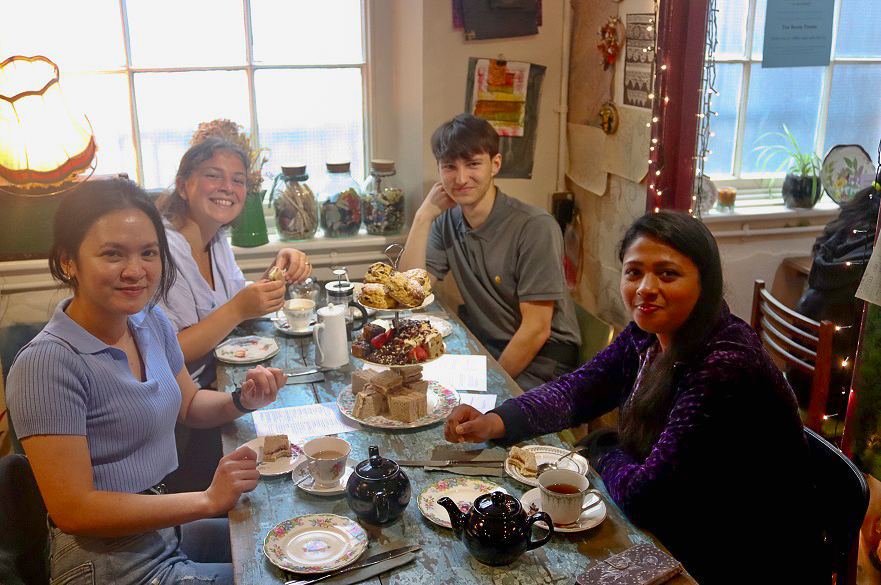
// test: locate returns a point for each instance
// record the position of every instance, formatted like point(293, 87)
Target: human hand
point(259, 298)
point(466, 424)
point(235, 474)
point(261, 387)
point(436, 202)
point(295, 264)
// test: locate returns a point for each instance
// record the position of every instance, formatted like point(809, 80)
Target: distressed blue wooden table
point(443, 559)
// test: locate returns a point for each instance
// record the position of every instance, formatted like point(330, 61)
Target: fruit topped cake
point(413, 342)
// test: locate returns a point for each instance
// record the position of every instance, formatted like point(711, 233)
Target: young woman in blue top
point(95, 396)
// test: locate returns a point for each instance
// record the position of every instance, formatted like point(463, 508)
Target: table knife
point(306, 370)
point(449, 463)
point(371, 560)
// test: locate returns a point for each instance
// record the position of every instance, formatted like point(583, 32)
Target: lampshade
point(42, 142)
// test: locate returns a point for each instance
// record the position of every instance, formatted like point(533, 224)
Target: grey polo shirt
point(515, 256)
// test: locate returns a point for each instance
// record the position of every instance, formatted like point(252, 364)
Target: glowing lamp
point(43, 142)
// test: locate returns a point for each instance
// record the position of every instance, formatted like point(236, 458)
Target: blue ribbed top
point(68, 382)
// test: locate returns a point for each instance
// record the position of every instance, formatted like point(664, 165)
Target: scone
point(374, 295)
point(379, 273)
point(404, 290)
point(276, 273)
point(524, 461)
point(420, 276)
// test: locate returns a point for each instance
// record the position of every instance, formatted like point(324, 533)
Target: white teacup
point(326, 460)
point(299, 313)
point(563, 492)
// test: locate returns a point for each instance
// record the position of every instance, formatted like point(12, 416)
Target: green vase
point(249, 229)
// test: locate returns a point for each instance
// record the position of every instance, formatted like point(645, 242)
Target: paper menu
point(298, 422)
point(870, 285)
point(459, 372)
point(482, 402)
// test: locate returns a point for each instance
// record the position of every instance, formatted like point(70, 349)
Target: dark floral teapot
point(496, 530)
point(378, 491)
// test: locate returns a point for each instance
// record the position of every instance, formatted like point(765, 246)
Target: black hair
point(643, 419)
point(464, 137)
point(89, 202)
point(172, 205)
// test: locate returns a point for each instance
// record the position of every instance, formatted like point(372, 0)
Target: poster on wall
point(639, 59)
point(506, 94)
point(798, 33)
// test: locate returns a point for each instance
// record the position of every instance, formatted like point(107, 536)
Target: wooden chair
point(796, 340)
point(842, 494)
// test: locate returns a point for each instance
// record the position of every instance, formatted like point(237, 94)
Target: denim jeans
point(196, 553)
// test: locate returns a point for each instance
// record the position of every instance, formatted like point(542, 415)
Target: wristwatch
point(237, 401)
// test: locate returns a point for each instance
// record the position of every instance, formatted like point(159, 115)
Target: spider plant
point(801, 187)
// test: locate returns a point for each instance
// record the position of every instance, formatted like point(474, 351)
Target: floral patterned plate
point(462, 490)
point(547, 454)
point(246, 350)
point(441, 401)
point(847, 169)
point(315, 543)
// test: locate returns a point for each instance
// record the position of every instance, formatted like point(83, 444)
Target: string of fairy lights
point(656, 154)
point(705, 110)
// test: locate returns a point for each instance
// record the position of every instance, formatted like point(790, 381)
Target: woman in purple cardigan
point(711, 455)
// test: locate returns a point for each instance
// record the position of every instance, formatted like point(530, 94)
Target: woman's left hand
point(296, 265)
point(261, 387)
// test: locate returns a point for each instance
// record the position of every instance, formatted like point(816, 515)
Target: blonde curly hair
point(234, 133)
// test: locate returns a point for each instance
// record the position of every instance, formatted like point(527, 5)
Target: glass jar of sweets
point(296, 210)
point(383, 201)
point(339, 200)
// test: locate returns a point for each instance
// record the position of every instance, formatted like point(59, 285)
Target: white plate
point(441, 402)
point(462, 490)
point(279, 466)
point(544, 454)
point(308, 484)
point(442, 326)
point(589, 518)
point(315, 543)
point(280, 322)
point(257, 349)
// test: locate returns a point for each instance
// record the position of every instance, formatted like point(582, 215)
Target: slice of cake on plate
point(524, 461)
point(276, 447)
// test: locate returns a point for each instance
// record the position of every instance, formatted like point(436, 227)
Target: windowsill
point(825, 208)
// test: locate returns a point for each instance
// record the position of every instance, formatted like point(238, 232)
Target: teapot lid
point(376, 467)
point(497, 505)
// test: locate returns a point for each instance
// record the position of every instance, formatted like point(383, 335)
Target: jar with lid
point(383, 200)
point(339, 200)
point(296, 209)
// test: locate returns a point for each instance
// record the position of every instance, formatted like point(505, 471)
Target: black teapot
point(496, 530)
point(378, 491)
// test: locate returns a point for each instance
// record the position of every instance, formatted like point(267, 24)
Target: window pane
point(105, 100)
point(64, 32)
point(166, 129)
point(731, 21)
point(759, 29)
point(186, 33)
point(780, 96)
point(724, 126)
point(315, 126)
point(858, 28)
point(306, 32)
point(854, 116)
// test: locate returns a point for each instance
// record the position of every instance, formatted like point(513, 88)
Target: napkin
point(448, 452)
point(373, 570)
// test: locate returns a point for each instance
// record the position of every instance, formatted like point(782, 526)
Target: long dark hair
point(88, 203)
point(643, 419)
point(172, 205)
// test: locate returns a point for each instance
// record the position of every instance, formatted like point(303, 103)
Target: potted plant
point(801, 186)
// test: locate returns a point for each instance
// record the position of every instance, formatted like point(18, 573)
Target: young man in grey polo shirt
point(505, 255)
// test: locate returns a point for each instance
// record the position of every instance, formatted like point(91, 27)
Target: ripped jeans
point(196, 553)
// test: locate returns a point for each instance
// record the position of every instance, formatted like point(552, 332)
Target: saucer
point(589, 518)
point(246, 350)
point(280, 323)
point(308, 484)
point(315, 543)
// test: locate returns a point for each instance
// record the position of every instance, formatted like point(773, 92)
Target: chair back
point(842, 500)
point(24, 537)
point(797, 341)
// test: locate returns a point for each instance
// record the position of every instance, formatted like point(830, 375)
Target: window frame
point(765, 188)
point(250, 67)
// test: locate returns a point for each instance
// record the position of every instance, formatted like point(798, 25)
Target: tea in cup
point(299, 313)
point(326, 460)
point(563, 493)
